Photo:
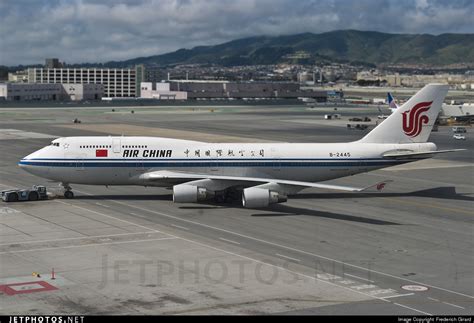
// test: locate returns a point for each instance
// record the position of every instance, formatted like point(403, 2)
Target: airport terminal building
point(117, 82)
point(50, 91)
point(244, 90)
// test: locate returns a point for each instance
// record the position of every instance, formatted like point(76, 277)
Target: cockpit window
point(55, 144)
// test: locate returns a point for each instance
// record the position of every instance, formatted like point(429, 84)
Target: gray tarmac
point(130, 250)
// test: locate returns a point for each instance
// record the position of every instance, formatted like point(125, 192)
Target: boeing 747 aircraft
point(259, 173)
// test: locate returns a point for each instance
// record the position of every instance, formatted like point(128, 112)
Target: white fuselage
point(121, 160)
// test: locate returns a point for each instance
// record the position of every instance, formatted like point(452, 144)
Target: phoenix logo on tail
point(413, 119)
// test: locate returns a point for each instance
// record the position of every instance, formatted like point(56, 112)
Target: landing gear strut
point(68, 193)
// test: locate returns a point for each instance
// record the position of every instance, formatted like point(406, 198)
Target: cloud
point(98, 31)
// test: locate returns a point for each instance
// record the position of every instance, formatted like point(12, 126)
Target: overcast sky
point(102, 30)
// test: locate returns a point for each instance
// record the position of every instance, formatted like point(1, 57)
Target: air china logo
point(413, 119)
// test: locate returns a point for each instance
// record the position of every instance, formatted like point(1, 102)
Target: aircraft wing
point(184, 177)
point(402, 154)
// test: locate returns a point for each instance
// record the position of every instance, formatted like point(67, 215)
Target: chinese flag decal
point(101, 152)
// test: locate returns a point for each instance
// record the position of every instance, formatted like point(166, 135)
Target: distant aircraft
point(391, 105)
point(259, 174)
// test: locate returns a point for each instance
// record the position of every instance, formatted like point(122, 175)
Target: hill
point(365, 47)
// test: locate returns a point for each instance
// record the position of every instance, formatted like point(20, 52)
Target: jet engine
point(255, 197)
point(185, 193)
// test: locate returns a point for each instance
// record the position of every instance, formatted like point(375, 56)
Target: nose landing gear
point(68, 193)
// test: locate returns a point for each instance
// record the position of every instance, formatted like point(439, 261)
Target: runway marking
point(87, 245)
point(244, 257)
point(434, 299)
point(453, 305)
point(108, 216)
point(415, 288)
point(227, 240)
point(346, 282)
point(26, 287)
point(413, 309)
point(290, 258)
point(102, 204)
point(282, 246)
point(8, 210)
point(399, 295)
point(362, 287)
point(354, 276)
point(76, 238)
point(382, 291)
point(15, 229)
point(427, 205)
point(15, 134)
point(300, 274)
point(179, 227)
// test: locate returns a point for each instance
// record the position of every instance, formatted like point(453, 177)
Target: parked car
point(458, 136)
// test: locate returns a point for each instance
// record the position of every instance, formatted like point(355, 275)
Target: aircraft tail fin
point(413, 121)
point(391, 102)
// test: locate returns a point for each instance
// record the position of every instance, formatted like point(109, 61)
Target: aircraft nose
point(26, 162)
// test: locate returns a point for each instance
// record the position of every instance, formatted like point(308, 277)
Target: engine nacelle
point(185, 193)
point(255, 197)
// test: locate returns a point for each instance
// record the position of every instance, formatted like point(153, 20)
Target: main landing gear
point(68, 193)
point(226, 196)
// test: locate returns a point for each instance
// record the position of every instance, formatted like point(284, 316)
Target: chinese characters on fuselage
point(224, 153)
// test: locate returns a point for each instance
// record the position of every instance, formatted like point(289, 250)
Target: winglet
point(378, 186)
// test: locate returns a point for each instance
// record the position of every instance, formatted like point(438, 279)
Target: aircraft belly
point(81, 173)
point(93, 175)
